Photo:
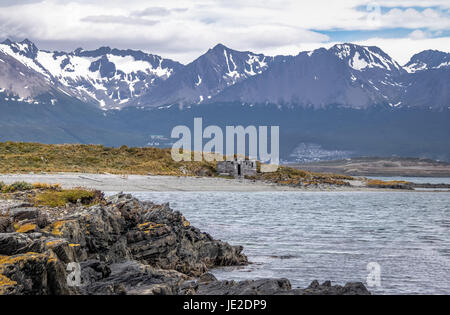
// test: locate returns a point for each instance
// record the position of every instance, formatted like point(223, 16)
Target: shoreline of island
point(158, 183)
point(152, 183)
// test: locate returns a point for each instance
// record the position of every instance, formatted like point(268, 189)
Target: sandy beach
point(137, 183)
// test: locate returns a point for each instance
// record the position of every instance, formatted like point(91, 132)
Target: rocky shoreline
point(118, 246)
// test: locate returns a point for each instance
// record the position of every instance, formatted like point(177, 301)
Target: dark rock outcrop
point(249, 287)
point(121, 246)
point(275, 287)
point(351, 288)
point(430, 186)
point(129, 277)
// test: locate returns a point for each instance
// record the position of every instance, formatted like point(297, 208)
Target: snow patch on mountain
point(427, 60)
point(346, 74)
point(20, 55)
point(199, 81)
point(357, 62)
point(106, 76)
point(363, 57)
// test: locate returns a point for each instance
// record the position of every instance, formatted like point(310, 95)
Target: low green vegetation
point(50, 195)
point(292, 176)
point(17, 186)
point(20, 157)
point(377, 183)
point(54, 198)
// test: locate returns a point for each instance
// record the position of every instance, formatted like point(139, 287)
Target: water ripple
point(329, 235)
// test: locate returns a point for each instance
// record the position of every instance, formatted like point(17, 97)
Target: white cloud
point(118, 19)
point(183, 30)
point(434, 19)
point(419, 34)
point(401, 49)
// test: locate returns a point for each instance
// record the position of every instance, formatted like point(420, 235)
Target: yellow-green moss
point(382, 183)
point(61, 198)
point(292, 176)
point(26, 228)
point(8, 260)
point(53, 243)
point(5, 282)
point(45, 186)
point(5, 261)
point(148, 226)
point(55, 227)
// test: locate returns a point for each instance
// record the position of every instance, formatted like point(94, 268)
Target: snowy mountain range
point(110, 78)
point(207, 76)
point(346, 75)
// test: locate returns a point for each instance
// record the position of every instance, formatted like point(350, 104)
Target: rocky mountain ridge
point(348, 75)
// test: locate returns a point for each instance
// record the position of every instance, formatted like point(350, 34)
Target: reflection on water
point(304, 236)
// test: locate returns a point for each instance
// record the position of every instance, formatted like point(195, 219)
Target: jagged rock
point(126, 228)
point(207, 278)
point(276, 287)
point(164, 248)
point(131, 278)
point(33, 274)
point(19, 214)
point(351, 288)
point(18, 243)
point(5, 225)
point(122, 246)
point(7, 205)
point(249, 287)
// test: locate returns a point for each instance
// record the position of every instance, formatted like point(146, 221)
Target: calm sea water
point(304, 236)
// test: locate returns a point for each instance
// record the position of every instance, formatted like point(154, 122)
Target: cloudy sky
point(182, 30)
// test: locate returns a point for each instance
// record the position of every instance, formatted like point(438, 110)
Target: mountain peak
point(365, 57)
point(428, 59)
point(219, 49)
point(7, 42)
point(26, 41)
point(219, 46)
point(25, 48)
point(93, 53)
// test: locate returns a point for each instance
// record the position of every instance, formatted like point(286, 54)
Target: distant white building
point(237, 168)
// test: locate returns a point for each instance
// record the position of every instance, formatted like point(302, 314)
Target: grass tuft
point(17, 186)
point(45, 186)
point(61, 198)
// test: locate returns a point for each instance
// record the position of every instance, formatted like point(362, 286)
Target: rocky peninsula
point(117, 245)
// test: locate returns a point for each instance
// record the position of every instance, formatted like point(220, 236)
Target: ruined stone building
point(237, 168)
